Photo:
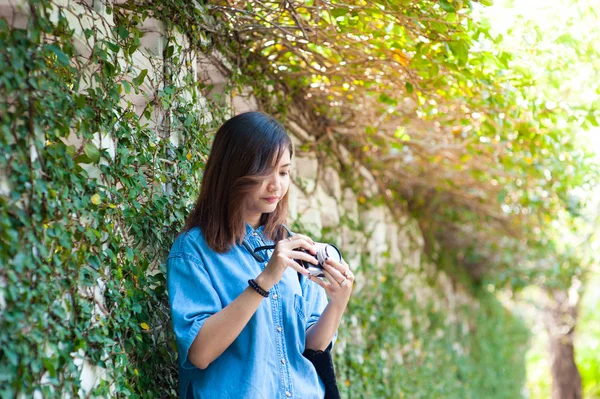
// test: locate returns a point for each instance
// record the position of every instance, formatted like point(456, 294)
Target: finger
point(348, 273)
point(302, 256)
point(294, 265)
point(322, 283)
point(339, 275)
point(299, 243)
point(302, 236)
point(333, 279)
point(336, 265)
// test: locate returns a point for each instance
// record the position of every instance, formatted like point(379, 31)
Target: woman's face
point(265, 198)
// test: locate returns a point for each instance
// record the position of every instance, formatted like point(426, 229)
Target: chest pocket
point(301, 307)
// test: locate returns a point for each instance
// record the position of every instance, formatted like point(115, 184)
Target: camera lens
point(324, 252)
point(328, 251)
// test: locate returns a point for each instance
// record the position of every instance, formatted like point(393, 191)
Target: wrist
point(265, 281)
point(338, 305)
point(256, 287)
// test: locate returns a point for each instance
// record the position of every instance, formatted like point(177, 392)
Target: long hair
point(246, 149)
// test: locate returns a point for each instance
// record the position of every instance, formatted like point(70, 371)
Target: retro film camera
point(324, 252)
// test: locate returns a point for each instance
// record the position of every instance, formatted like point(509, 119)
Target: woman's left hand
point(339, 281)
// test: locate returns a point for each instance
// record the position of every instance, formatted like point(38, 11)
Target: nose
point(273, 183)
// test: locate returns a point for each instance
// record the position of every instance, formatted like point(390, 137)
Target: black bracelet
point(258, 288)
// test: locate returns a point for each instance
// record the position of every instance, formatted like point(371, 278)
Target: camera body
point(324, 252)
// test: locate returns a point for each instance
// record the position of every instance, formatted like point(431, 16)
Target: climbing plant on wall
point(94, 189)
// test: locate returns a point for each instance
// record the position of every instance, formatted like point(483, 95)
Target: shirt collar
point(251, 231)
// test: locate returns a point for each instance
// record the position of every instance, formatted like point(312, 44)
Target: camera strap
point(264, 248)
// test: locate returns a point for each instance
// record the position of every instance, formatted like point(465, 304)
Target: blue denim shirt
point(265, 360)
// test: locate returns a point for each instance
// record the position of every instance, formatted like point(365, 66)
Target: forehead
point(285, 158)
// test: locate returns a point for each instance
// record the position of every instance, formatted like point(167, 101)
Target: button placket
point(255, 240)
point(277, 313)
point(277, 309)
point(281, 342)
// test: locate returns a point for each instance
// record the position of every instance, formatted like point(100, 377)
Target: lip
point(271, 200)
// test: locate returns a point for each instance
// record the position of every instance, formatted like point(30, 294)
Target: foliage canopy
point(449, 119)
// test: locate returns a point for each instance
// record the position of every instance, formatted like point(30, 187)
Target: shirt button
point(275, 296)
point(278, 329)
point(282, 361)
point(288, 393)
point(255, 234)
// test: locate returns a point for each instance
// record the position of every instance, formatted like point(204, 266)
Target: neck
point(254, 220)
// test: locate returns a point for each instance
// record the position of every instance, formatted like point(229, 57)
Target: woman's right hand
point(283, 257)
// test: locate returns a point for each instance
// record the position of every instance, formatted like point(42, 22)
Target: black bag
point(323, 363)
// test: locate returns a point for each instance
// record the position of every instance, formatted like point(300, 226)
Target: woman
point(243, 318)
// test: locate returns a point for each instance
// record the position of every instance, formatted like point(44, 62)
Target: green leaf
point(502, 195)
point(113, 47)
point(92, 152)
point(447, 6)
point(126, 86)
point(80, 100)
point(140, 78)
point(565, 39)
point(340, 12)
point(133, 47)
point(461, 50)
point(409, 87)
point(60, 55)
point(441, 28)
point(169, 51)
point(82, 159)
point(108, 68)
point(384, 98)
point(123, 32)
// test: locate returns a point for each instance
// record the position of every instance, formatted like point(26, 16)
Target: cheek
point(255, 195)
point(260, 190)
point(285, 185)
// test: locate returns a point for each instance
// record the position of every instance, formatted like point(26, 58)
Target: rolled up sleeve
point(192, 300)
point(316, 298)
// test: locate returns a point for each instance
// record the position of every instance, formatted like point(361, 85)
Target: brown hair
point(245, 150)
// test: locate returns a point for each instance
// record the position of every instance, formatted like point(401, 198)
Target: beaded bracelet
point(258, 288)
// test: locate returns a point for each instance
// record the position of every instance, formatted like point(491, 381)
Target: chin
point(269, 209)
